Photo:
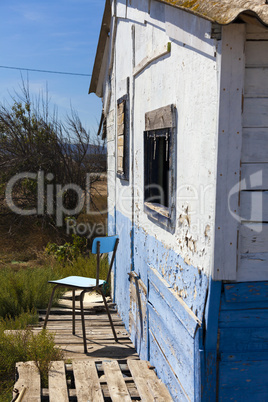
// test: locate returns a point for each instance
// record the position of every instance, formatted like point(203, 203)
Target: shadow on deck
point(100, 341)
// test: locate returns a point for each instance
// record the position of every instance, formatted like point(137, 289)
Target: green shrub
point(68, 251)
point(24, 320)
point(17, 346)
point(22, 292)
point(27, 290)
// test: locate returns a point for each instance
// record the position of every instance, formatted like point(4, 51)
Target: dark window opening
point(156, 178)
point(160, 166)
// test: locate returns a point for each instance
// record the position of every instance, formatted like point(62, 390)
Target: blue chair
point(100, 245)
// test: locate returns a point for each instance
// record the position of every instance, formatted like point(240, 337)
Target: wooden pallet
point(91, 381)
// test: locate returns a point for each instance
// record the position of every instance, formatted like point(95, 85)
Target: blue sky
point(58, 35)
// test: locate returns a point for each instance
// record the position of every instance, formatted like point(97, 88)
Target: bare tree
point(33, 139)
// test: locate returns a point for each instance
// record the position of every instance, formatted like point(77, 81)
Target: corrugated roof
point(223, 11)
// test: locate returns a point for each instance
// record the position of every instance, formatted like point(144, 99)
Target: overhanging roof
point(223, 11)
point(104, 34)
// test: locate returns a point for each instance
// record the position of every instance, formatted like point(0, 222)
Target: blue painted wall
point(187, 280)
point(175, 301)
point(227, 358)
point(122, 263)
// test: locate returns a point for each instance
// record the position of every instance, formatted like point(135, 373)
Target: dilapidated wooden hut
point(185, 110)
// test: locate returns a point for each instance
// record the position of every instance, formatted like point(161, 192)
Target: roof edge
point(104, 34)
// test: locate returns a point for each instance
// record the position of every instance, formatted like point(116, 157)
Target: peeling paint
point(187, 261)
point(195, 293)
point(207, 230)
point(182, 293)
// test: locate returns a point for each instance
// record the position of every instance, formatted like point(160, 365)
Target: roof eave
point(104, 34)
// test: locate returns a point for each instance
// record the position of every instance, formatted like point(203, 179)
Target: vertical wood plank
point(229, 151)
point(87, 381)
point(57, 382)
point(29, 379)
point(115, 381)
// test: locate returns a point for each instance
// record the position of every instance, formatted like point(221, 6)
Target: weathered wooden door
point(253, 233)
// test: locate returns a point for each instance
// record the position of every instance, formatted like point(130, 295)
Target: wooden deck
point(110, 371)
point(100, 340)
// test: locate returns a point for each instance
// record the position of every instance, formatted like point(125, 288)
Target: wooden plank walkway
point(110, 371)
point(100, 340)
point(89, 381)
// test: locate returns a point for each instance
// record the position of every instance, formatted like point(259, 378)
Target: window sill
point(122, 176)
point(160, 209)
point(160, 215)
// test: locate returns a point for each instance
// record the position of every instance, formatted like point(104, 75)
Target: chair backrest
point(107, 244)
point(102, 245)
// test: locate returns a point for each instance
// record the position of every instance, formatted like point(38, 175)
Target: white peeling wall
point(186, 78)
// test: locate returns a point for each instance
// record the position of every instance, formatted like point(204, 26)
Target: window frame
point(123, 132)
point(156, 123)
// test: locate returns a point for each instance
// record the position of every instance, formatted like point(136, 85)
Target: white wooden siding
point(253, 233)
point(254, 176)
point(255, 32)
point(254, 145)
point(253, 238)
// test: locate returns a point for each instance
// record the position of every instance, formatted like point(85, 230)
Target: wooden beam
point(184, 314)
point(154, 55)
point(229, 151)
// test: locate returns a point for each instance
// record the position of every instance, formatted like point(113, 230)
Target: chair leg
point(83, 320)
point(73, 312)
point(49, 306)
point(109, 314)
